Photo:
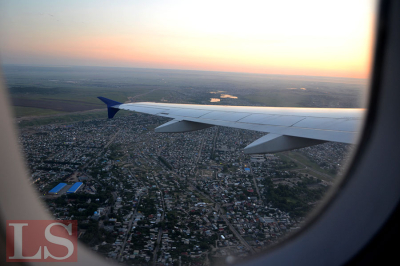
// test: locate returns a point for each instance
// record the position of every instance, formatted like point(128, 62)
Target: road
point(160, 230)
point(101, 151)
point(195, 168)
point(234, 231)
point(129, 230)
point(114, 194)
point(329, 178)
point(255, 182)
point(82, 168)
point(215, 141)
point(29, 118)
point(132, 99)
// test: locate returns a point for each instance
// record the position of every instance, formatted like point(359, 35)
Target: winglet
point(110, 106)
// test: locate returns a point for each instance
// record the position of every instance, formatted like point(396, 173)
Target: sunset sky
point(318, 38)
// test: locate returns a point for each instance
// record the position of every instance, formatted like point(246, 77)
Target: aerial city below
point(193, 198)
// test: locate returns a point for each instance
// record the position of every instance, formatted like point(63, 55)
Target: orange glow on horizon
point(256, 43)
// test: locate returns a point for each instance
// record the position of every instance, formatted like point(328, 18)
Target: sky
point(308, 37)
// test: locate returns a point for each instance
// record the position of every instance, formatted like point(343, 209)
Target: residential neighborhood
point(146, 198)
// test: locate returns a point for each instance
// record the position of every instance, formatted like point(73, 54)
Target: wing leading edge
point(288, 128)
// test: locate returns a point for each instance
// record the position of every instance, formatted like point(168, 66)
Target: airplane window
point(213, 188)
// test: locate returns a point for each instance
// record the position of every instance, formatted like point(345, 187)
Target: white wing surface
point(288, 128)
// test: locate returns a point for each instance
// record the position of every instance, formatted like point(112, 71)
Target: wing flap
point(227, 116)
point(325, 135)
point(274, 120)
point(338, 124)
point(185, 112)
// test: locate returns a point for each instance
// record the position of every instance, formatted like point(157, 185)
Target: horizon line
point(176, 69)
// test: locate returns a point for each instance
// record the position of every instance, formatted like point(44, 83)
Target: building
point(57, 188)
point(74, 187)
point(257, 158)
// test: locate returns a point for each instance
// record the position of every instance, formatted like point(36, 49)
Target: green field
point(68, 118)
point(20, 111)
point(50, 91)
point(301, 159)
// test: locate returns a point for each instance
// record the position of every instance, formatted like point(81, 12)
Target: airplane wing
point(288, 128)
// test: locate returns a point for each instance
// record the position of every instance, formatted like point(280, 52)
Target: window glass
point(192, 198)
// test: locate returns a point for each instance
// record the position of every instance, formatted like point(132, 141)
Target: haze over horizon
point(308, 38)
point(176, 69)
